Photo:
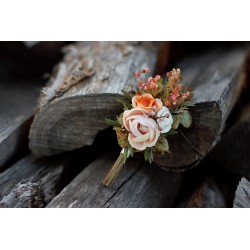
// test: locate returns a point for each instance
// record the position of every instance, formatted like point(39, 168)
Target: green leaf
point(125, 103)
point(176, 121)
point(148, 155)
point(171, 132)
point(185, 119)
point(162, 145)
point(128, 151)
point(112, 123)
point(127, 94)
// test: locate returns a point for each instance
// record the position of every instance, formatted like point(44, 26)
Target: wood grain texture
point(233, 151)
point(138, 185)
point(24, 195)
point(242, 196)
point(17, 104)
point(48, 173)
point(83, 89)
point(216, 79)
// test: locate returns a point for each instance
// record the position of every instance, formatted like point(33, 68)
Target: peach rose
point(147, 102)
point(143, 130)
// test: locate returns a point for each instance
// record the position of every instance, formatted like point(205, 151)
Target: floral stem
point(114, 171)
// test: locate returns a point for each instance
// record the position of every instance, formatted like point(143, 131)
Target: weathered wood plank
point(242, 196)
point(82, 92)
point(138, 185)
point(17, 102)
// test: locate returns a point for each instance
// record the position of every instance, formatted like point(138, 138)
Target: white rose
point(164, 119)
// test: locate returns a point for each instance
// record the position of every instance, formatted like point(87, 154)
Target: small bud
point(152, 113)
point(137, 73)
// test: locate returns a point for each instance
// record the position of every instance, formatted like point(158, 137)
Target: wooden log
point(17, 104)
point(242, 196)
point(233, 151)
point(83, 90)
point(138, 185)
point(217, 79)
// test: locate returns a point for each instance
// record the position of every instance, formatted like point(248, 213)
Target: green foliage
point(185, 119)
point(126, 94)
point(162, 145)
point(171, 132)
point(128, 151)
point(112, 123)
point(126, 104)
point(176, 121)
point(148, 155)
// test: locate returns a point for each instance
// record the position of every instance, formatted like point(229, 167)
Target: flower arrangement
point(151, 113)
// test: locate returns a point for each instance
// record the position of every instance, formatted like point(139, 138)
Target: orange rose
point(147, 102)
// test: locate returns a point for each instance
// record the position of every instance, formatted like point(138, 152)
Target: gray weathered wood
point(48, 173)
point(138, 185)
point(83, 90)
point(217, 80)
point(233, 151)
point(17, 103)
point(242, 196)
point(24, 195)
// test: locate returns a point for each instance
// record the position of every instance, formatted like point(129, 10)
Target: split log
point(242, 196)
point(233, 151)
point(138, 185)
point(17, 105)
point(82, 92)
point(217, 79)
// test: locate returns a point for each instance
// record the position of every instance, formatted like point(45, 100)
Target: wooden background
point(55, 148)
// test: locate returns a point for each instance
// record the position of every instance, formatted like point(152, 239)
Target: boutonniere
point(151, 113)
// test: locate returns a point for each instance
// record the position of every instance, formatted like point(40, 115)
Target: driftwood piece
point(48, 173)
point(242, 196)
point(24, 195)
point(83, 90)
point(138, 185)
point(233, 151)
point(17, 103)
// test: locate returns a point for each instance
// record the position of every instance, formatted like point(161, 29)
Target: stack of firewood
point(57, 154)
